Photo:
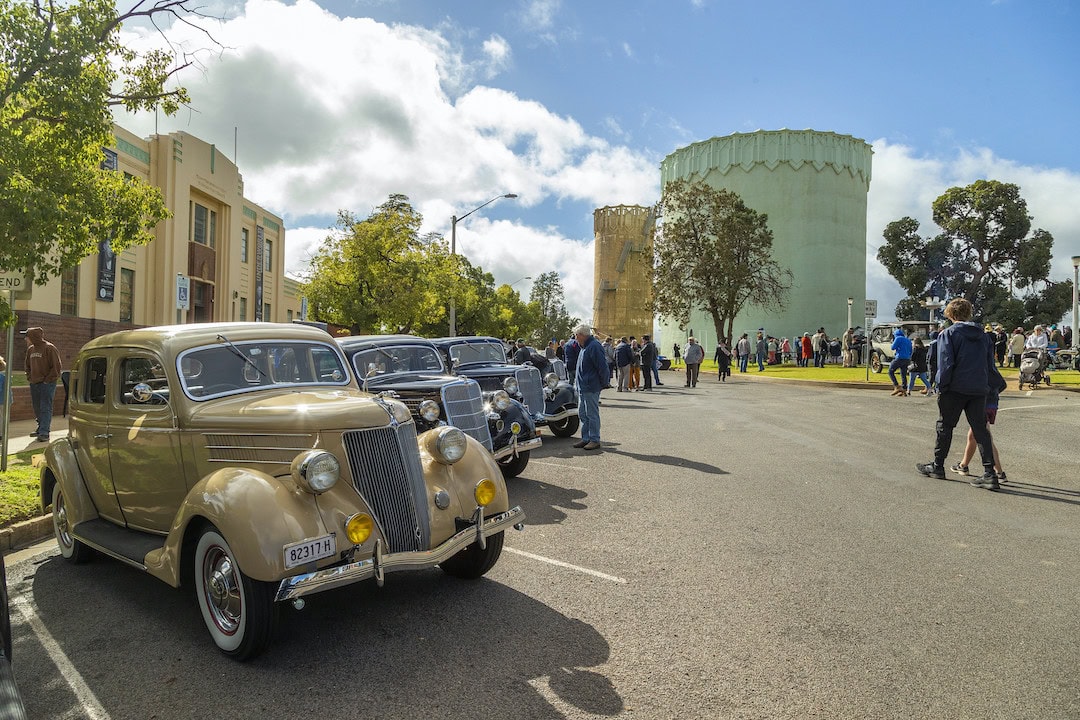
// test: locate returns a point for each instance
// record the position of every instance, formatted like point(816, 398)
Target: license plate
point(307, 551)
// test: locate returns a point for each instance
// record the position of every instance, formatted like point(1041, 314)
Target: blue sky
point(574, 105)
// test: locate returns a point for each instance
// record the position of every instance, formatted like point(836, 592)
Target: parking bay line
point(564, 466)
point(83, 693)
point(568, 566)
point(1022, 407)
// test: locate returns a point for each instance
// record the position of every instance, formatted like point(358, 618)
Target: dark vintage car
point(546, 394)
point(412, 370)
point(11, 707)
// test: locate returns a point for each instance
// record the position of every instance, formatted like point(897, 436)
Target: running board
point(127, 546)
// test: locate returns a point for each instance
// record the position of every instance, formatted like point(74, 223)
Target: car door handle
point(103, 436)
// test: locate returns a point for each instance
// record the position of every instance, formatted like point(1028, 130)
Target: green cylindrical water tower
point(813, 186)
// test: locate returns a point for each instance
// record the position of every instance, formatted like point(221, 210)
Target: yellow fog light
point(515, 428)
point(358, 528)
point(484, 492)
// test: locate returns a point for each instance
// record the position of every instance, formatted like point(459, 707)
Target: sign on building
point(106, 282)
point(260, 261)
point(183, 292)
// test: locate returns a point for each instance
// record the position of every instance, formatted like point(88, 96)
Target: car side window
point(94, 386)
point(135, 370)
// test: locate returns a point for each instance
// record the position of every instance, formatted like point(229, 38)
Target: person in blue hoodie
point(965, 368)
point(901, 348)
point(591, 377)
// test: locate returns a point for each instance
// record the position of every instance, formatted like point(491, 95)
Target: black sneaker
point(988, 481)
point(931, 470)
point(960, 469)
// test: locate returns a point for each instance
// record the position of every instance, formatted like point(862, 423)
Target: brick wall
point(21, 409)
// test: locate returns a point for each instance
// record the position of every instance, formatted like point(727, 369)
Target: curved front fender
point(62, 467)
point(256, 513)
point(564, 397)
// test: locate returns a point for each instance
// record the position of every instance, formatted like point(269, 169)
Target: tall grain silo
point(622, 274)
point(813, 187)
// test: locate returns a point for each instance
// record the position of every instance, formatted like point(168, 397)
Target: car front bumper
point(516, 447)
point(382, 562)
point(566, 412)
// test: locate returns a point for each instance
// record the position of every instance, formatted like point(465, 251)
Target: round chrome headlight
point(398, 411)
point(429, 411)
point(551, 380)
point(500, 400)
point(316, 471)
point(510, 385)
point(450, 445)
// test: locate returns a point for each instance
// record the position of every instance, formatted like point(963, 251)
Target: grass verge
point(19, 489)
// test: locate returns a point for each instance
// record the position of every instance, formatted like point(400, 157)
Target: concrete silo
point(622, 274)
point(813, 187)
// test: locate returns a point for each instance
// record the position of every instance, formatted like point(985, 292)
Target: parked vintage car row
point(246, 462)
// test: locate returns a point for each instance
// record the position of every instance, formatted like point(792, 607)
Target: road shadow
point(544, 503)
point(425, 645)
point(667, 460)
point(1041, 492)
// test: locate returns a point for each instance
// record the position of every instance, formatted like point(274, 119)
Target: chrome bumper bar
point(515, 447)
point(556, 417)
point(382, 562)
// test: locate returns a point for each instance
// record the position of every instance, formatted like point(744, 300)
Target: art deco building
point(229, 250)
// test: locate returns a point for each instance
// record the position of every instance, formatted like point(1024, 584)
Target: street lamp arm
point(497, 197)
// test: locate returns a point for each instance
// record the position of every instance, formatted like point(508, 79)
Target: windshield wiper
point(242, 356)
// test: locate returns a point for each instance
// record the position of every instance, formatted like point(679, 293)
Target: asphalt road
point(751, 550)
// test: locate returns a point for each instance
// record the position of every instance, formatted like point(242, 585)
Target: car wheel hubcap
point(60, 513)
point(222, 590)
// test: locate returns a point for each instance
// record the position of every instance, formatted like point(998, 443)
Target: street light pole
point(1076, 302)
point(849, 301)
point(454, 219)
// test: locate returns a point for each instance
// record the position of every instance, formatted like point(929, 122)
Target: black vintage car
point(11, 707)
point(412, 370)
point(547, 395)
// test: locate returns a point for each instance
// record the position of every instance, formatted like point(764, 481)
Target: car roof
point(354, 341)
point(171, 339)
point(467, 339)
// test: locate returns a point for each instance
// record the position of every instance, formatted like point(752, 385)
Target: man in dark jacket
point(571, 350)
point(648, 360)
point(965, 367)
point(591, 378)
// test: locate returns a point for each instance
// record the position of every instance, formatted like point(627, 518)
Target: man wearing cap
point(42, 372)
point(693, 357)
point(591, 377)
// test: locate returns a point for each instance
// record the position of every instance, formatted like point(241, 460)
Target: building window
point(69, 292)
point(204, 226)
point(243, 309)
point(127, 295)
point(266, 312)
point(268, 256)
point(244, 245)
point(288, 314)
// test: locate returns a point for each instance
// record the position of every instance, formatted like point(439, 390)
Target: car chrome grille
point(532, 390)
point(386, 471)
point(559, 368)
point(464, 404)
point(267, 449)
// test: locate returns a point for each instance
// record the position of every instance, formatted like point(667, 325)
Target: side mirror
point(142, 393)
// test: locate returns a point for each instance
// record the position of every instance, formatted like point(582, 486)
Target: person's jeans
point(589, 413)
point(760, 361)
point(692, 373)
point(656, 371)
point(950, 405)
point(743, 360)
point(41, 397)
point(901, 365)
point(920, 376)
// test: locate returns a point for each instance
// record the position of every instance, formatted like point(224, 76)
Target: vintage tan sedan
point(241, 460)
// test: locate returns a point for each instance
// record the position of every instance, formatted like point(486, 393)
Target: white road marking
point(1022, 407)
point(558, 465)
point(568, 566)
point(90, 704)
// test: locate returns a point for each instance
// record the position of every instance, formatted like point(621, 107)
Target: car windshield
point(478, 353)
point(227, 367)
point(402, 358)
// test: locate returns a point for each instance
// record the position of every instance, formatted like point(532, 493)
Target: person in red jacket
point(807, 350)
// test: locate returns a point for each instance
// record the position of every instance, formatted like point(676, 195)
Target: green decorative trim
point(267, 222)
point(248, 212)
point(133, 150)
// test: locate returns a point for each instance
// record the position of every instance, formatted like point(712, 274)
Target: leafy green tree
point(62, 67)
point(985, 249)
point(554, 321)
point(714, 253)
point(378, 275)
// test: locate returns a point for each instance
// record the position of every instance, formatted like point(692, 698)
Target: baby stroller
point(1033, 364)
